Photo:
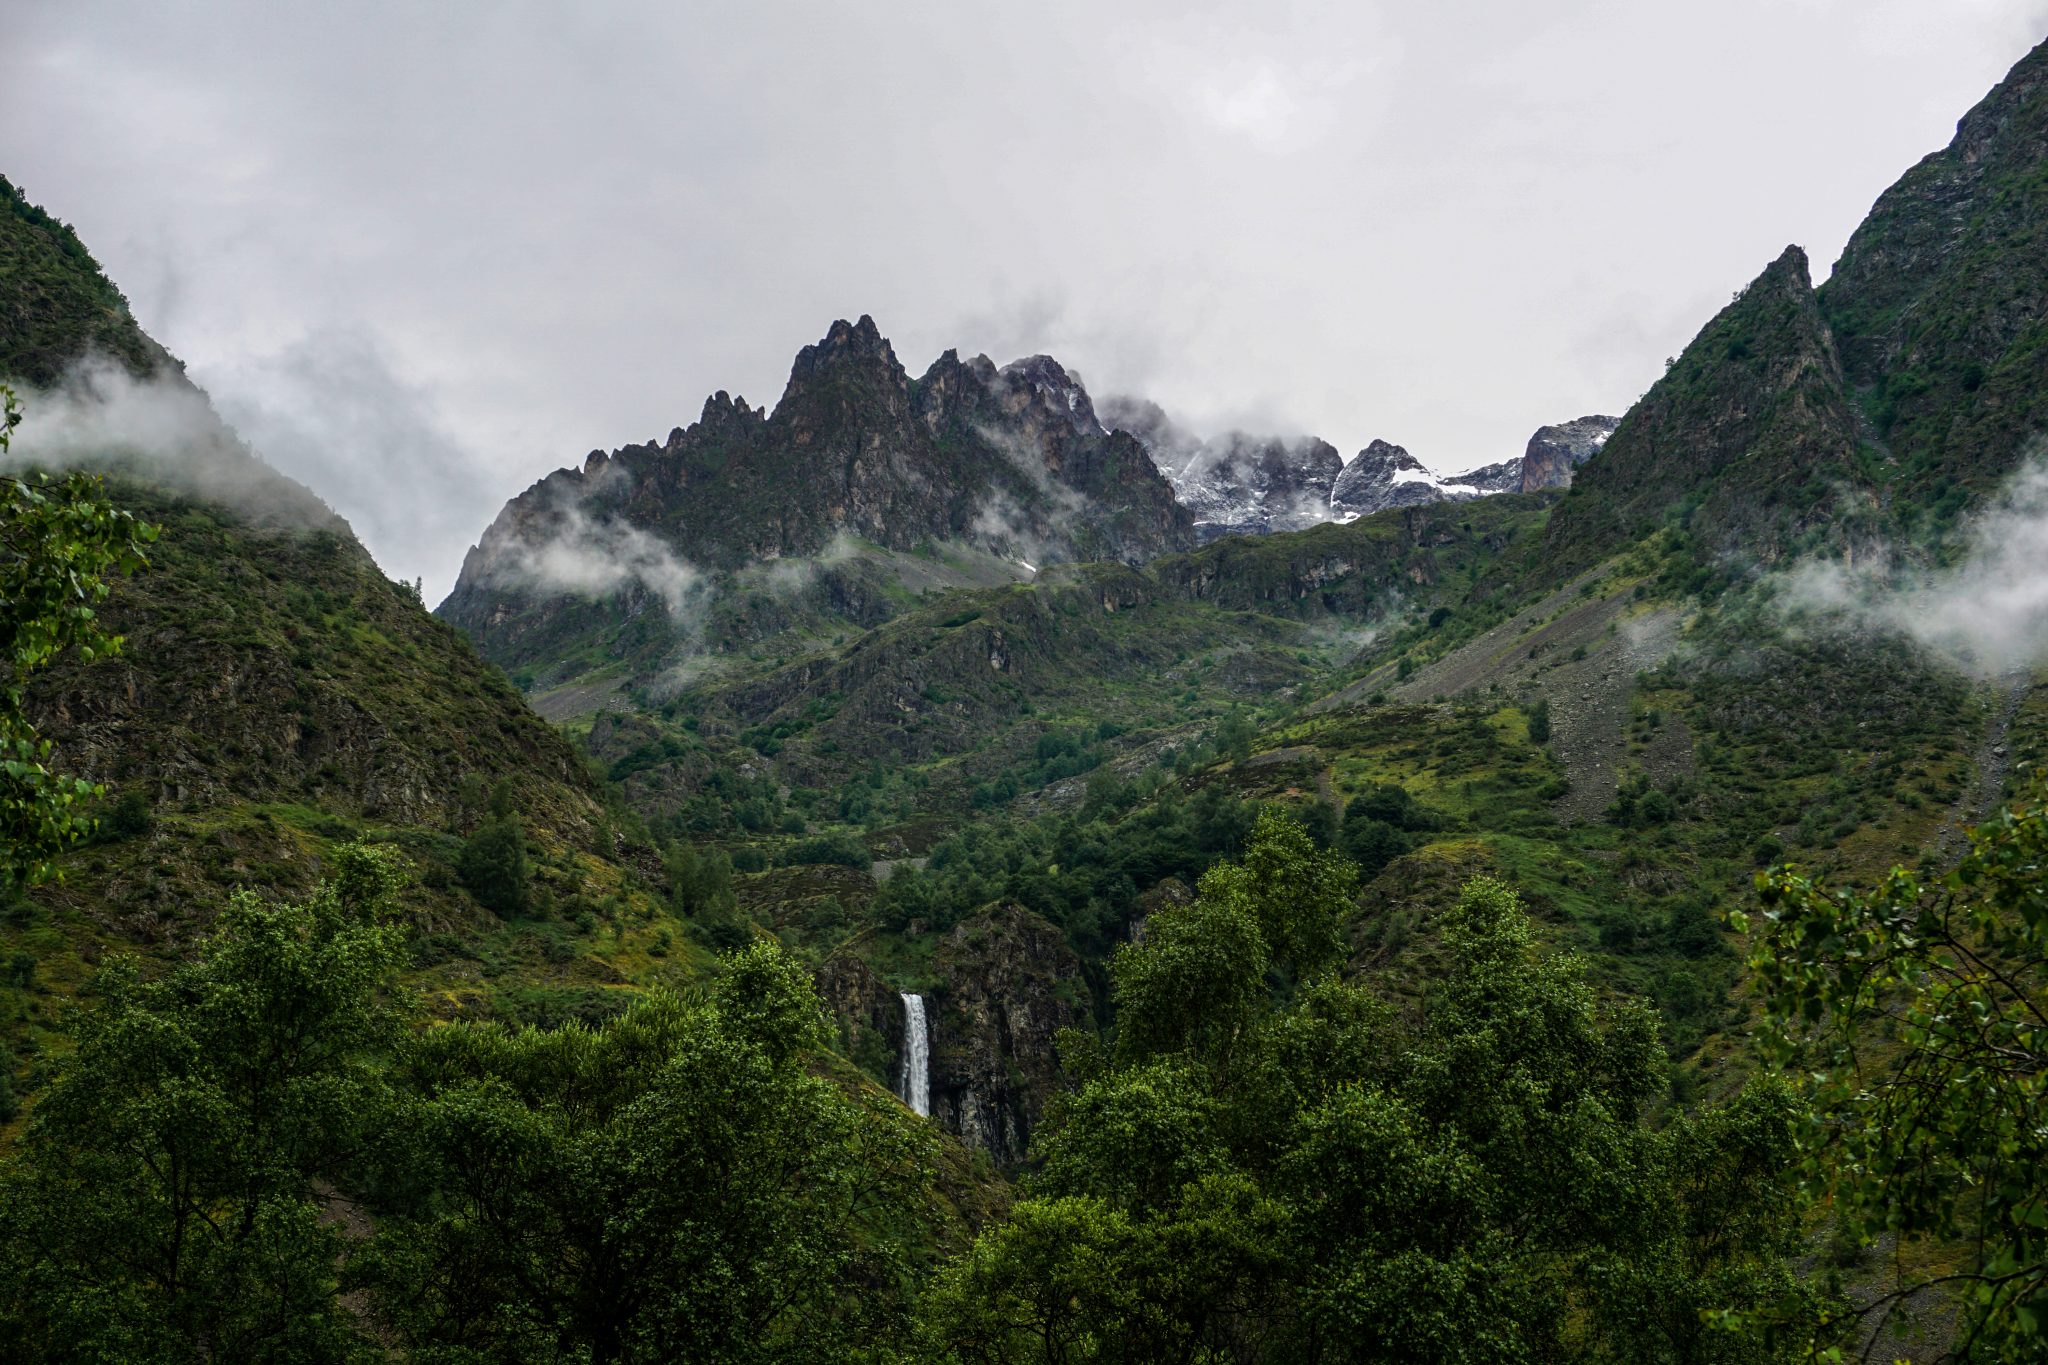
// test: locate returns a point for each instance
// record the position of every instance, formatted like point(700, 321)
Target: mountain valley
point(969, 688)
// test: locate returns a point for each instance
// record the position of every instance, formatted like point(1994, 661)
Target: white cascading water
point(916, 1087)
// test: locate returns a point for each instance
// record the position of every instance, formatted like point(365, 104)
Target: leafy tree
point(1539, 722)
point(493, 866)
point(699, 883)
point(1084, 875)
point(1920, 1010)
point(1377, 826)
point(1234, 735)
point(58, 542)
point(1106, 793)
point(700, 890)
point(167, 1201)
point(845, 849)
point(1393, 805)
point(1277, 1166)
point(672, 1184)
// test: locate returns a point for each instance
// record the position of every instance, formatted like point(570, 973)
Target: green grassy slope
point(56, 302)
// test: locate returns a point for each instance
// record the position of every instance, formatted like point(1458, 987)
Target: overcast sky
point(421, 254)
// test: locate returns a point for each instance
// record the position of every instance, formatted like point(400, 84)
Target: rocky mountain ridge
point(1009, 462)
point(1555, 452)
point(1241, 484)
point(789, 515)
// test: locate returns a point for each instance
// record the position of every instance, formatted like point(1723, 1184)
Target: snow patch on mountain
point(1240, 484)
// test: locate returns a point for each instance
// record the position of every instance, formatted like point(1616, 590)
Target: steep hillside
point(1749, 437)
point(1908, 387)
point(968, 691)
point(1940, 302)
point(278, 694)
point(56, 303)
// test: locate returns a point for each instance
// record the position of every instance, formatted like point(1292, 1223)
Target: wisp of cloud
point(162, 430)
point(597, 559)
point(1987, 613)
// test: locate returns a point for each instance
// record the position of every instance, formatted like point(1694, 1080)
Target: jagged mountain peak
point(1010, 462)
point(1170, 446)
point(1242, 484)
point(1384, 475)
point(1237, 483)
point(1790, 272)
point(847, 348)
point(1396, 456)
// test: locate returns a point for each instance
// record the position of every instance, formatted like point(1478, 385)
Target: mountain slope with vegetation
point(276, 696)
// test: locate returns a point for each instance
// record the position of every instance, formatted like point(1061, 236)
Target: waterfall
point(915, 1089)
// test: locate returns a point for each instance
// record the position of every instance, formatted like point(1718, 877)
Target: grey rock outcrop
point(1556, 452)
point(1235, 484)
point(1008, 984)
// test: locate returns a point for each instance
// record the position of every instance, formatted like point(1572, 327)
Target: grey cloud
point(560, 227)
point(331, 410)
point(590, 558)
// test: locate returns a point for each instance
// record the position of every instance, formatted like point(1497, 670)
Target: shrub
point(493, 866)
point(841, 848)
point(128, 818)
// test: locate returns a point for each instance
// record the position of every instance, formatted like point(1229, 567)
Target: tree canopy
point(1920, 1011)
point(172, 1197)
point(261, 1155)
point(672, 1184)
point(1273, 1164)
point(59, 540)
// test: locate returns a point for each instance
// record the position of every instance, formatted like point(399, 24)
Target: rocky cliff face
point(1505, 477)
point(867, 1014)
point(1556, 452)
point(1009, 984)
point(1241, 485)
point(1010, 460)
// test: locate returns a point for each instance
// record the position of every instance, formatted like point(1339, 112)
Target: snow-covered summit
point(1239, 484)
